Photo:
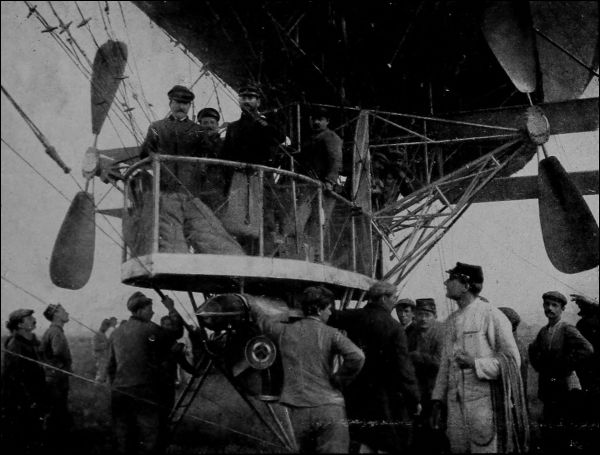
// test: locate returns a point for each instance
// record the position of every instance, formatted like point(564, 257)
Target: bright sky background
point(504, 238)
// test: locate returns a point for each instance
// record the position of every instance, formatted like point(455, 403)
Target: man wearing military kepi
point(254, 138)
point(57, 354)
point(479, 349)
point(184, 220)
point(556, 353)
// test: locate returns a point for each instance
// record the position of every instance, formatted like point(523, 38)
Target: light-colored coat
point(483, 332)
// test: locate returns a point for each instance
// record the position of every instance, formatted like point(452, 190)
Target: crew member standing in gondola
point(183, 219)
point(209, 179)
point(253, 138)
point(321, 156)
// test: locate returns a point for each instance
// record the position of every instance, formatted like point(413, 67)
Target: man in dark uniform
point(321, 156)
point(56, 353)
point(23, 386)
point(253, 138)
point(405, 311)
point(425, 344)
point(210, 179)
point(184, 220)
point(139, 350)
point(388, 376)
point(557, 351)
point(589, 371)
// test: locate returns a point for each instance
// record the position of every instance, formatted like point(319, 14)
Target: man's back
point(55, 348)
point(136, 350)
point(322, 156)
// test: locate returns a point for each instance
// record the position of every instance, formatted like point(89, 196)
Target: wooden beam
point(574, 116)
point(519, 188)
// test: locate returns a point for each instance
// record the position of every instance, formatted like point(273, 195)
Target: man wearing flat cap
point(589, 370)
point(57, 354)
point(405, 311)
point(139, 349)
point(321, 156)
point(479, 351)
point(557, 351)
point(209, 179)
point(388, 376)
point(184, 220)
point(23, 389)
point(425, 343)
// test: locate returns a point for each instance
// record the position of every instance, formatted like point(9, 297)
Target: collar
point(315, 318)
point(173, 119)
point(54, 324)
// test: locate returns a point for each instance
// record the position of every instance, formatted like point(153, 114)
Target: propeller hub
point(537, 125)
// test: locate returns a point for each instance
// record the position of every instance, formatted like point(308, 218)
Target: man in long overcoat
point(388, 376)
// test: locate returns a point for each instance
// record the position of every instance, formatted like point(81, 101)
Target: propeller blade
point(568, 227)
point(567, 42)
point(507, 30)
point(107, 74)
point(73, 253)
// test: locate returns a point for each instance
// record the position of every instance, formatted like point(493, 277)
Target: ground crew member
point(184, 220)
point(557, 351)
point(478, 342)
point(23, 386)
point(100, 348)
point(139, 349)
point(57, 354)
point(388, 376)
point(311, 388)
point(405, 311)
point(425, 345)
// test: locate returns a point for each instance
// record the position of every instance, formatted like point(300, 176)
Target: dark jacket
point(589, 370)
point(555, 362)
point(23, 381)
point(387, 377)
point(55, 351)
point(138, 354)
point(425, 348)
point(170, 136)
point(321, 156)
point(250, 140)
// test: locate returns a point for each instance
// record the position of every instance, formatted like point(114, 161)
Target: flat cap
point(555, 296)
point(181, 94)
point(209, 112)
point(15, 318)
point(427, 304)
point(137, 300)
point(582, 300)
point(249, 90)
point(406, 302)
point(50, 310)
point(512, 316)
point(472, 273)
